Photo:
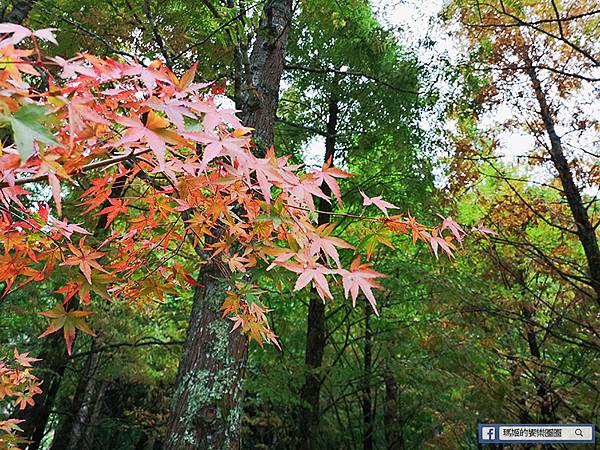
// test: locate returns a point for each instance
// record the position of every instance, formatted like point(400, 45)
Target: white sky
point(414, 22)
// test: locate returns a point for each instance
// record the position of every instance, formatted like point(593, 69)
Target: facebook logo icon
point(488, 433)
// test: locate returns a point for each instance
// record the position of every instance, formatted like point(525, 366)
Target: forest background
point(490, 117)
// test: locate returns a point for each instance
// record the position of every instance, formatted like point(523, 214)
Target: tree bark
point(96, 409)
point(51, 368)
point(207, 406)
point(19, 11)
point(585, 229)
point(259, 94)
point(207, 409)
point(315, 333)
point(391, 421)
point(73, 428)
point(367, 406)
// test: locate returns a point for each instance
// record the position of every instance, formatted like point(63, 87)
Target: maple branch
point(521, 22)
point(86, 168)
point(537, 254)
point(560, 27)
point(524, 180)
point(515, 67)
point(79, 27)
point(214, 32)
point(526, 203)
point(534, 22)
point(339, 214)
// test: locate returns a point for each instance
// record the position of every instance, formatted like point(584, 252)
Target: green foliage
point(27, 128)
point(456, 336)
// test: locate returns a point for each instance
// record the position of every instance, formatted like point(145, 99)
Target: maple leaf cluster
point(18, 386)
point(150, 168)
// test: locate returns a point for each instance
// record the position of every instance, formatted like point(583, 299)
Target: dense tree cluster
point(271, 224)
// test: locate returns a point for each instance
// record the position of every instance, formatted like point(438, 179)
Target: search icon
point(578, 432)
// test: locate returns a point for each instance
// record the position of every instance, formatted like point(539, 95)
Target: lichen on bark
point(208, 398)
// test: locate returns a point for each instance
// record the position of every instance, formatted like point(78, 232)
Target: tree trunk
point(73, 427)
point(528, 312)
point(260, 92)
point(539, 374)
point(96, 410)
point(207, 406)
point(367, 406)
point(585, 229)
point(55, 358)
point(315, 333)
point(391, 421)
point(51, 368)
point(19, 11)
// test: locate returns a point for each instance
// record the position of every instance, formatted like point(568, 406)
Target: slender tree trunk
point(315, 333)
point(540, 376)
point(391, 421)
point(585, 229)
point(310, 392)
point(528, 311)
point(207, 406)
point(367, 406)
point(96, 410)
point(73, 427)
point(51, 368)
point(55, 359)
point(19, 11)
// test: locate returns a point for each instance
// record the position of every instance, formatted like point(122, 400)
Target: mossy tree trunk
point(207, 407)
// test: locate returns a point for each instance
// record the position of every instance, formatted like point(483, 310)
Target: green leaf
point(27, 128)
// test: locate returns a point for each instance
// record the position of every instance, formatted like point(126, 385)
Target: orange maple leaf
point(69, 321)
point(84, 257)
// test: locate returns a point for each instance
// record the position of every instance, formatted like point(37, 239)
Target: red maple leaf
point(117, 206)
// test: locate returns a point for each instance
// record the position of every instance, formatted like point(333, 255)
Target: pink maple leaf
point(173, 108)
point(360, 277)
point(136, 131)
point(455, 228)
point(19, 33)
point(328, 175)
point(379, 202)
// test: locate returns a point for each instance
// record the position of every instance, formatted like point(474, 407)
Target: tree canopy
point(279, 224)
